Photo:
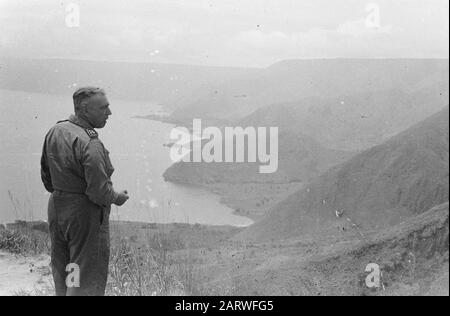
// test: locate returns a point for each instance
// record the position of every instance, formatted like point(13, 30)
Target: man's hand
point(122, 197)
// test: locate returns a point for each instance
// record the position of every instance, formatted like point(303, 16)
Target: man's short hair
point(84, 94)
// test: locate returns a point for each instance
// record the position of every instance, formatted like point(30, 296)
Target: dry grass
point(153, 269)
point(24, 238)
point(24, 242)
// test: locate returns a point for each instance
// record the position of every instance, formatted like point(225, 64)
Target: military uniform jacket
point(74, 160)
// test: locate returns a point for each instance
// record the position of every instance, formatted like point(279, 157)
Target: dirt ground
point(24, 275)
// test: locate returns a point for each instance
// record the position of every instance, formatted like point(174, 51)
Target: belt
point(67, 192)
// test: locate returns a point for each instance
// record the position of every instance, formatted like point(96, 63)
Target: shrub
point(24, 242)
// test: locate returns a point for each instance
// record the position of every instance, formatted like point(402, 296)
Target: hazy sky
point(224, 32)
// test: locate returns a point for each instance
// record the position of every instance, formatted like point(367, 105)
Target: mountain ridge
point(155, 82)
point(290, 81)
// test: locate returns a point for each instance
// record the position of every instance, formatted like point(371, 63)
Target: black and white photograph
point(224, 155)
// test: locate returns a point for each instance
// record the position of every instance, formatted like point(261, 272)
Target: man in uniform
point(76, 170)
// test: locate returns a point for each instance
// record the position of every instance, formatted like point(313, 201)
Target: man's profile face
point(97, 110)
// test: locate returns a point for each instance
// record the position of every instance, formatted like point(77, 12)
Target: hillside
point(412, 257)
point(293, 80)
point(250, 193)
point(380, 187)
point(300, 159)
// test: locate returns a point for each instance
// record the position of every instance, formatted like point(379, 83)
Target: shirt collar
point(79, 121)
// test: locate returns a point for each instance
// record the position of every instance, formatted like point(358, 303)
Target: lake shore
point(252, 200)
point(162, 119)
point(234, 196)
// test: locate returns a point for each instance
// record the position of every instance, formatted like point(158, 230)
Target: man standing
point(76, 170)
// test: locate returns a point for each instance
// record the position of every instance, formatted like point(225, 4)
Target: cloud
point(216, 32)
point(360, 27)
point(260, 39)
point(313, 40)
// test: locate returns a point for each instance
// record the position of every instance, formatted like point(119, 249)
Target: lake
point(137, 153)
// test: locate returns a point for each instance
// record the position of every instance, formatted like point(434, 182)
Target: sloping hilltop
point(378, 188)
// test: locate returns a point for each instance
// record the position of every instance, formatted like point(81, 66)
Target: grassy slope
point(412, 256)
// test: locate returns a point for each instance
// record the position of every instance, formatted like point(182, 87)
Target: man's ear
point(84, 107)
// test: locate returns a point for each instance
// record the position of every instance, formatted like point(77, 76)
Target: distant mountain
point(293, 80)
point(380, 187)
point(354, 122)
point(162, 83)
